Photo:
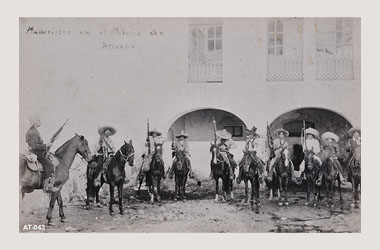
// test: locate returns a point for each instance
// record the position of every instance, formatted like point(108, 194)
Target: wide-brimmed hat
point(252, 131)
point(155, 131)
point(281, 130)
point(311, 131)
point(330, 135)
point(182, 134)
point(33, 119)
point(224, 134)
point(353, 130)
point(101, 130)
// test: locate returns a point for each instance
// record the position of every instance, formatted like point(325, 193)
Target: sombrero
point(330, 135)
point(252, 131)
point(33, 119)
point(353, 130)
point(101, 130)
point(182, 134)
point(155, 131)
point(312, 131)
point(278, 131)
point(224, 134)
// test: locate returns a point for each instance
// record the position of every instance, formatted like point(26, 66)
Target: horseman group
point(100, 164)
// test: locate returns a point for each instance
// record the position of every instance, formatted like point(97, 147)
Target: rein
point(125, 157)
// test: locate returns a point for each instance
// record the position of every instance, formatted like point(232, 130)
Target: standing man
point(181, 145)
point(250, 148)
point(39, 148)
point(104, 150)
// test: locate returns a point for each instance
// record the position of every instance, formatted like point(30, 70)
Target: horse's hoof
point(112, 213)
point(122, 212)
point(98, 204)
point(306, 203)
point(280, 203)
point(286, 203)
point(175, 199)
point(184, 200)
point(51, 224)
point(63, 219)
point(356, 205)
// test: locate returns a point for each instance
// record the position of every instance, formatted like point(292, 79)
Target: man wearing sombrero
point(250, 148)
point(40, 149)
point(154, 139)
point(181, 145)
point(331, 151)
point(280, 146)
point(224, 144)
point(355, 139)
point(311, 143)
point(104, 149)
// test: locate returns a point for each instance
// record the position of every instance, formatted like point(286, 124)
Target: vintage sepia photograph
point(190, 125)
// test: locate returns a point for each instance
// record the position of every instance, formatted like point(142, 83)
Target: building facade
point(180, 73)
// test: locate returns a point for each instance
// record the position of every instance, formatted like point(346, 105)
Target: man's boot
point(191, 173)
point(342, 179)
point(171, 172)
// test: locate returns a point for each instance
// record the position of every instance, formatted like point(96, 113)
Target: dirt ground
point(199, 213)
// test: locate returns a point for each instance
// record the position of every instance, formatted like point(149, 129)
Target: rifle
point(214, 123)
point(147, 128)
point(270, 142)
point(303, 137)
point(56, 134)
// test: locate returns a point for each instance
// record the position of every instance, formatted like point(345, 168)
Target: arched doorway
point(198, 124)
point(321, 119)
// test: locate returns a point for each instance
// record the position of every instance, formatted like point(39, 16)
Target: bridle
point(126, 158)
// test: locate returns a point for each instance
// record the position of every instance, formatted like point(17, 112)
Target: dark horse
point(281, 176)
point(354, 173)
point(311, 171)
point(250, 173)
point(154, 174)
point(114, 176)
point(220, 170)
point(181, 170)
point(64, 156)
point(330, 174)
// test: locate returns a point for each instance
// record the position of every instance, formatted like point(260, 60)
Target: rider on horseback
point(37, 147)
point(312, 144)
point(224, 143)
point(355, 140)
point(331, 151)
point(250, 149)
point(104, 150)
point(181, 145)
point(281, 147)
point(154, 139)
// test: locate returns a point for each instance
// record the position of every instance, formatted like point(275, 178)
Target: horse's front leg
point(309, 180)
point(356, 194)
point(112, 197)
point(60, 203)
point(216, 189)
point(176, 184)
point(286, 191)
point(246, 190)
point(157, 189)
point(183, 184)
point(255, 190)
point(340, 194)
point(53, 198)
point(280, 192)
point(120, 196)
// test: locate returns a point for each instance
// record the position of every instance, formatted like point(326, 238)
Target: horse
point(181, 170)
point(282, 176)
point(155, 173)
point(271, 183)
point(330, 171)
point(250, 174)
point(354, 173)
point(311, 172)
point(64, 157)
point(114, 176)
point(220, 170)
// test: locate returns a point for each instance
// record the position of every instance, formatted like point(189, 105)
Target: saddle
point(32, 163)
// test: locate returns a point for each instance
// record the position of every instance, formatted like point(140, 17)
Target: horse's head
point(309, 159)
point(127, 151)
point(82, 147)
point(180, 155)
point(158, 151)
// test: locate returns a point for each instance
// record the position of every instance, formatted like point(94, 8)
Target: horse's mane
point(63, 147)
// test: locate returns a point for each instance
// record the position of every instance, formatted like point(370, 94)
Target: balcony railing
point(284, 70)
point(334, 69)
point(205, 71)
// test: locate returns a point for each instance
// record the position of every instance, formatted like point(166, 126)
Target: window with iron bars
point(334, 48)
point(205, 53)
point(285, 45)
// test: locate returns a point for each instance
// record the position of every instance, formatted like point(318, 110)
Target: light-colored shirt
point(313, 145)
point(106, 143)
